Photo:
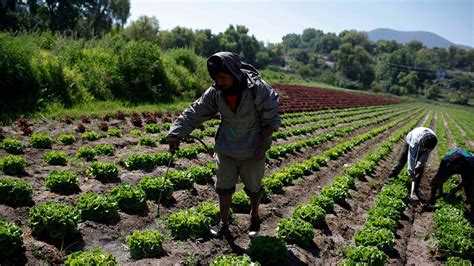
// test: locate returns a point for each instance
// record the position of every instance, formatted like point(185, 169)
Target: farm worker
point(419, 143)
point(457, 161)
point(249, 113)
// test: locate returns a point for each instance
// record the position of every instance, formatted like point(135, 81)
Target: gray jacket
point(238, 135)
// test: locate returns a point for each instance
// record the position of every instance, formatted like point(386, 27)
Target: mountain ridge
point(429, 39)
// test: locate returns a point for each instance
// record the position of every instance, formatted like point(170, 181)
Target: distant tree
point(291, 41)
point(144, 28)
point(414, 45)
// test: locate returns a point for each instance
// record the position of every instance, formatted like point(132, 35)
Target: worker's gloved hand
point(173, 142)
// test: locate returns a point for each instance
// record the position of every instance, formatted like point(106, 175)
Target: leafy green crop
point(154, 185)
point(187, 224)
point(41, 141)
point(361, 255)
point(53, 220)
point(103, 171)
point(96, 207)
point(67, 139)
point(381, 238)
point(310, 213)
point(56, 158)
point(295, 231)
point(146, 141)
point(90, 135)
point(210, 209)
point(114, 132)
point(152, 128)
point(93, 257)
point(104, 149)
point(11, 239)
point(145, 244)
point(337, 192)
point(200, 174)
point(272, 185)
point(129, 198)
point(13, 164)
point(62, 181)
point(140, 161)
point(322, 201)
point(233, 260)
point(12, 146)
point(180, 180)
point(15, 191)
point(268, 250)
point(240, 202)
point(86, 152)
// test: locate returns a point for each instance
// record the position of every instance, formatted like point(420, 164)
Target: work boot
point(220, 229)
point(254, 227)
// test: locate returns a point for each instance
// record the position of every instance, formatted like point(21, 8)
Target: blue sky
point(270, 20)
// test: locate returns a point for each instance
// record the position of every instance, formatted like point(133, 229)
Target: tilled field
point(330, 147)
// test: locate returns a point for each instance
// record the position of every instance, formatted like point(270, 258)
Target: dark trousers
point(401, 161)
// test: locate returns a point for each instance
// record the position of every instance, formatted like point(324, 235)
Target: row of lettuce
point(194, 222)
point(454, 235)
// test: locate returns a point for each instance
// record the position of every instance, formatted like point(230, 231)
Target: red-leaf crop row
point(295, 98)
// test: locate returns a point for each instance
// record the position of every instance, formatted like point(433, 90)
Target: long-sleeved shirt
point(415, 154)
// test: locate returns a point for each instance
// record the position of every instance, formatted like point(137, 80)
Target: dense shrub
point(41, 141)
point(19, 91)
point(93, 257)
point(96, 207)
point(12, 146)
point(268, 250)
point(187, 72)
point(145, 244)
point(56, 158)
point(144, 76)
point(13, 164)
point(129, 198)
point(62, 181)
point(53, 220)
point(15, 191)
point(11, 239)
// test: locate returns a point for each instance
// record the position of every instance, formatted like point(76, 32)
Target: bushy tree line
point(351, 60)
point(87, 18)
point(36, 69)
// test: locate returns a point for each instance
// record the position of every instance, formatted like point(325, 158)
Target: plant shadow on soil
point(69, 244)
point(19, 259)
point(324, 227)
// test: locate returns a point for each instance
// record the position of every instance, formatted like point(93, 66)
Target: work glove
point(173, 142)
